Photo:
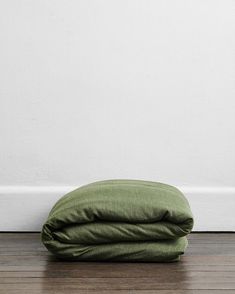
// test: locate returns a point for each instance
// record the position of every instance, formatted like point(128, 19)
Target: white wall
point(95, 90)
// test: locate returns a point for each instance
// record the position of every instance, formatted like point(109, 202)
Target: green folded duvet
point(119, 220)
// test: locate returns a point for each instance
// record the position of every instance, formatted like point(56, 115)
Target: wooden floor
point(208, 266)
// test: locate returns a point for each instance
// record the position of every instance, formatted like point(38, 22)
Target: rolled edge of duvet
point(119, 220)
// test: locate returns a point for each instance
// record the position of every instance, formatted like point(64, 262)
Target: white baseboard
point(24, 208)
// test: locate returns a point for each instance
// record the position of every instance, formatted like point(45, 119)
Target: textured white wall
point(117, 89)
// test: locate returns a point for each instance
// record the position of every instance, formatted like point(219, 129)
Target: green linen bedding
point(119, 220)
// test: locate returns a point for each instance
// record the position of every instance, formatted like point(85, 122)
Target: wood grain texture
point(208, 266)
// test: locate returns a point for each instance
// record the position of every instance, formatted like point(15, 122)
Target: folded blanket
point(119, 220)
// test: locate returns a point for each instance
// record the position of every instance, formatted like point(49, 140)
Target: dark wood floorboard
point(208, 266)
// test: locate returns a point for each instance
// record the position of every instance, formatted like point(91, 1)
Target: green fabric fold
point(119, 220)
